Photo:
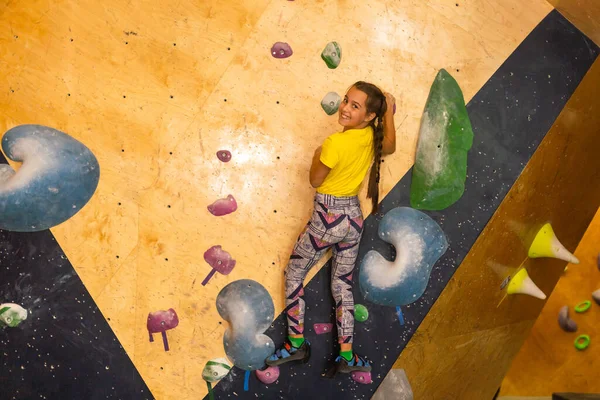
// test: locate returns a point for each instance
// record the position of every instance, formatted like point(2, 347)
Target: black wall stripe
point(511, 114)
point(65, 349)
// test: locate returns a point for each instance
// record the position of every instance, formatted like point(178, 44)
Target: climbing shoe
point(357, 363)
point(288, 353)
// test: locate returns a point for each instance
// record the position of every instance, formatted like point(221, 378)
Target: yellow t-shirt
point(349, 155)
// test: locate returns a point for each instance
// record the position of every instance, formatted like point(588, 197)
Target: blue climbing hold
point(419, 243)
point(58, 177)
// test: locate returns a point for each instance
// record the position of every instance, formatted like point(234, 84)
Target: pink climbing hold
point(268, 375)
point(219, 260)
point(161, 322)
point(224, 155)
point(322, 328)
point(223, 206)
point(281, 50)
point(362, 377)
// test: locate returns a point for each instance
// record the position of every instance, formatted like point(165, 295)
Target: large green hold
point(445, 137)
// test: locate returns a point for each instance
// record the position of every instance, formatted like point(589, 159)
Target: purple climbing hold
point(598, 261)
point(219, 260)
point(362, 377)
point(224, 155)
point(160, 322)
point(322, 328)
point(281, 50)
point(223, 206)
point(564, 321)
point(394, 108)
point(268, 375)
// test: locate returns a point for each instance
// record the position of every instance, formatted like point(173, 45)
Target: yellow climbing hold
point(522, 283)
point(546, 244)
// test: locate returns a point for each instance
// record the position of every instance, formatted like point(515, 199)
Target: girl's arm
point(318, 170)
point(389, 130)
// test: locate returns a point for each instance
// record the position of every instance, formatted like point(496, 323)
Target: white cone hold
point(521, 283)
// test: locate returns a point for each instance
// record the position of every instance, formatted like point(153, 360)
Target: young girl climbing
point(338, 169)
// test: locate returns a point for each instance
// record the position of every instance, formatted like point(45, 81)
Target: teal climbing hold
point(445, 137)
point(332, 55)
point(331, 103)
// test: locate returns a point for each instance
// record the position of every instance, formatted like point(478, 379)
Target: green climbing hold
point(582, 342)
point(361, 314)
point(215, 370)
point(12, 314)
point(445, 137)
point(332, 55)
point(583, 306)
point(331, 103)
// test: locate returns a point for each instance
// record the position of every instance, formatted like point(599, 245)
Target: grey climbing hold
point(564, 321)
point(331, 103)
point(596, 296)
point(395, 386)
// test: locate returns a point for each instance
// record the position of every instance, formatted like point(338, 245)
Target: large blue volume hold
point(249, 309)
point(419, 243)
point(58, 177)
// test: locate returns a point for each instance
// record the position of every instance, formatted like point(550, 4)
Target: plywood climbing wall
point(548, 361)
point(156, 89)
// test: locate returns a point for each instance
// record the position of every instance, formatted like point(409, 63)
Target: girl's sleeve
point(329, 155)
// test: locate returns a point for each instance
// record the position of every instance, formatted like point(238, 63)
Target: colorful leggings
point(336, 222)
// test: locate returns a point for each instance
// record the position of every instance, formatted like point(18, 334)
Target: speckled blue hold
point(249, 309)
point(419, 243)
point(58, 177)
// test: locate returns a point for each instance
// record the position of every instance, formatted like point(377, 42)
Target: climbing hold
point(331, 103)
point(223, 206)
point(598, 261)
point(281, 50)
point(522, 283)
point(583, 306)
point(12, 314)
point(361, 314)
point(224, 155)
point(564, 321)
point(219, 260)
point(322, 328)
point(249, 309)
point(162, 321)
point(419, 243)
point(268, 375)
point(362, 377)
point(214, 371)
point(394, 386)
point(332, 55)
point(58, 177)
point(582, 342)
point(445, 137)
point(400, 315)
point(596, 296)
point(546, 244)
point(394, 109)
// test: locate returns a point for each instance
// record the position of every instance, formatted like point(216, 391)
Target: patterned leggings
point(336, 222)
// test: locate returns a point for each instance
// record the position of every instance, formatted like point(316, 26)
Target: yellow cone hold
point(522, 283)
point(546, 244)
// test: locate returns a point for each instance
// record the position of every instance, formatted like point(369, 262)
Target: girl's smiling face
point(353, 110)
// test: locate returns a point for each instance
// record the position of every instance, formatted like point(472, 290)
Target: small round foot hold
point(268, 375)
point(362, 377)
